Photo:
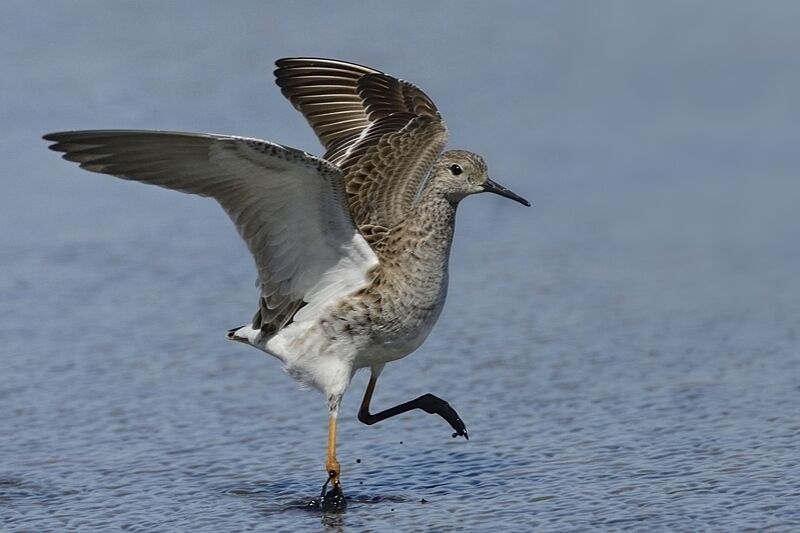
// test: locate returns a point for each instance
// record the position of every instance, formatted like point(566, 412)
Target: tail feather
point(234, 337)
point(251, 336)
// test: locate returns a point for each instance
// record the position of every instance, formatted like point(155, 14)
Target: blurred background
point(624, 353)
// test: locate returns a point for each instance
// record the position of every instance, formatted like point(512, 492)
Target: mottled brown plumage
point(383, 133)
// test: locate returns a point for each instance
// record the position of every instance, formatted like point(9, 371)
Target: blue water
point(624, 353)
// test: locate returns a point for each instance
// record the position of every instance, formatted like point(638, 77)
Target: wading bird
point(351, 249)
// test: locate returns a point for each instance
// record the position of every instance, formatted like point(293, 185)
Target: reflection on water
point(624, 353)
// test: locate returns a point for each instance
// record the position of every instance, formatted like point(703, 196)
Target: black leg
point(427, 402)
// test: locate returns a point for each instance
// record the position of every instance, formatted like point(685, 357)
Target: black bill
point(496, 188)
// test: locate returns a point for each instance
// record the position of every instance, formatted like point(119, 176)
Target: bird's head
point(461, 173)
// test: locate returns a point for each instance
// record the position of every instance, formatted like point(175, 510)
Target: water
point(624, 353)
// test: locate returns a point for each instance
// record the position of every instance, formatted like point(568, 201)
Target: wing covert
point(384, 133)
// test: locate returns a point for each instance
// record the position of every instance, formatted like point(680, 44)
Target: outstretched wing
point(287, 205)
point(326, 92)
point(384, 133)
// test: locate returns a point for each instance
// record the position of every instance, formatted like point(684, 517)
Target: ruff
point(352, 248)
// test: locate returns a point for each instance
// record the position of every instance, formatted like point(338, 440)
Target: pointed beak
point(496, 188)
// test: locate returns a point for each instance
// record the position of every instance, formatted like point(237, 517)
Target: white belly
point(383, 349)
point(324, 351)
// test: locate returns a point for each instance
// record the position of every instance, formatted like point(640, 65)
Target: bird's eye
point(456, 169)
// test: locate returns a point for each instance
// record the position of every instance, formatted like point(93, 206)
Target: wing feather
point(384, 133)
point(288, 206)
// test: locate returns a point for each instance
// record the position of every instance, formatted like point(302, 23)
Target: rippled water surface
point(624, 353)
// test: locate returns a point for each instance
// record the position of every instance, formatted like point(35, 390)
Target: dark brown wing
point(325, 91)
point(384, 133)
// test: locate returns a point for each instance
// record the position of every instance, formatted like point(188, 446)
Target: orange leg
point(332, 465)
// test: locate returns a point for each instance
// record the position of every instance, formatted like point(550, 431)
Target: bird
point(351, 248)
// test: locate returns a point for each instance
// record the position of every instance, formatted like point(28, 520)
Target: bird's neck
point(423, 244)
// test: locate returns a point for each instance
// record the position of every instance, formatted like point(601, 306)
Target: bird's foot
point(333, 500)
point(436, 406)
